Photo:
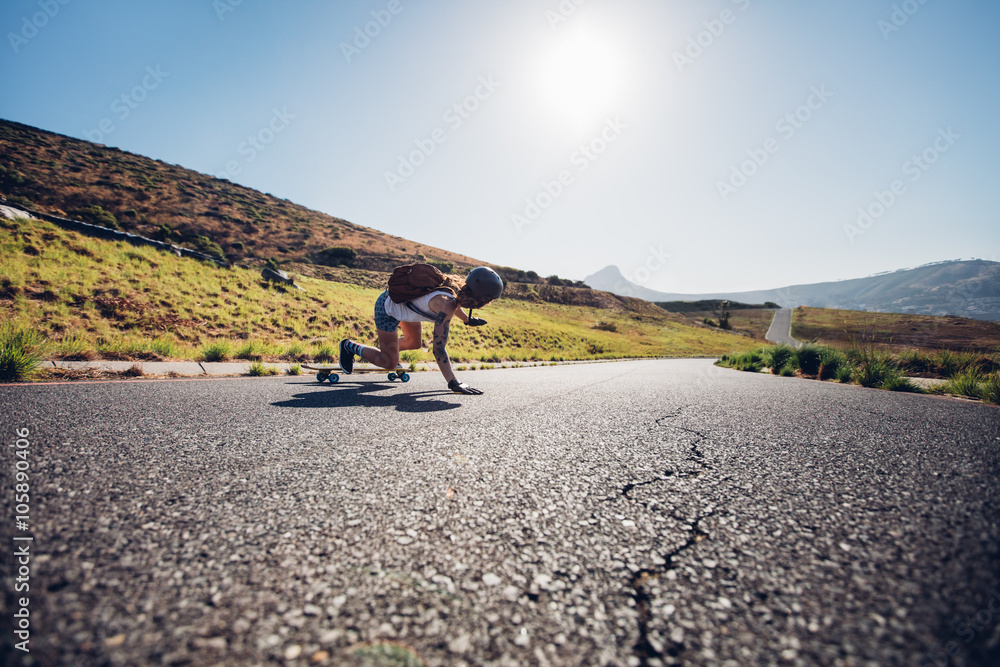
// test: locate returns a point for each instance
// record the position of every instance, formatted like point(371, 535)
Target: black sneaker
point(346, 358)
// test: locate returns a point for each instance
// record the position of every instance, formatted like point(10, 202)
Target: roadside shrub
point(990, 390)
point(915, 362)
point(786, 371)
point(750, 362)
point(74, 347)
point(778, 357)
point(21, 352)
point(165, 347)
point(845, 373)
point(219, 350)
point(831, 361)
point(873, 369)
point(259, 369)
point(295, 369)
point(808, 358)
point(967, 383)
point(896, 382)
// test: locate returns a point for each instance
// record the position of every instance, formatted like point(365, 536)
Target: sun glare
point(580, 78)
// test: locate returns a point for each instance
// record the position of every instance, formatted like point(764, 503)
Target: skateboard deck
point(333, 373)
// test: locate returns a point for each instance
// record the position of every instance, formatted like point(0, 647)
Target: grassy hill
point(93, 298)
point(71, 178)
point(849, 328)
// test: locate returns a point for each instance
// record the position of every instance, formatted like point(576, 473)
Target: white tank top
point(400, 312)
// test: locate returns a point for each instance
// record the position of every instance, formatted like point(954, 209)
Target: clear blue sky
point(700, 146)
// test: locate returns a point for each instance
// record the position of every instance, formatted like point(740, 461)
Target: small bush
point(808, 358)
point(207, 246)
point(96, 215)
point(831, 361)
point(75, 347)
point(873, 370)
point(967, 383)
point(990, 390)
point(219, 350)
point(21, 352)
point(259, 369)
point(778, 357)
point(896, 382)
point(786, 371)
point(844, 374)
point(750, 362)
point(337, 256)
point(165, 347)
point(295, 369)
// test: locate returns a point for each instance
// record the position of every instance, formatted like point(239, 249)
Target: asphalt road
point(780, 330)
point(631, 513)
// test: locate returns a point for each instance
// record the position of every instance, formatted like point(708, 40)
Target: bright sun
point(580, 79)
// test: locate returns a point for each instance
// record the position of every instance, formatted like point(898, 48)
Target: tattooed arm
point(445, 307)
point(439, 339)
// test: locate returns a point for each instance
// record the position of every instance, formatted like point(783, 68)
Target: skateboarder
point(481, 286)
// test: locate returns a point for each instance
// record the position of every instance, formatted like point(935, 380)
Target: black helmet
point(484, 283)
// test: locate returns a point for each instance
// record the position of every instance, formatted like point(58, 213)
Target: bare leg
point(386, 354)
point(412, 335)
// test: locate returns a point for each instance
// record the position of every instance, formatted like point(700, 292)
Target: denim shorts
point(382, 321)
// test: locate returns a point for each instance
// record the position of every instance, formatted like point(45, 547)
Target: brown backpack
point(414, 281)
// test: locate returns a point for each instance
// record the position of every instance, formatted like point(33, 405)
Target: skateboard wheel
point(321, 377)
point(334, 379)
point(392, 377)
point(405, 377)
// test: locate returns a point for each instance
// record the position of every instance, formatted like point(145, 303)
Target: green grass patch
point(219, 350)
point(121, 299)
point(260, 369)
point(21, 353)
point(966, 383)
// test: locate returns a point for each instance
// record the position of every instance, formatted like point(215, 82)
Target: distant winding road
point(637, 513)
point(780, 330)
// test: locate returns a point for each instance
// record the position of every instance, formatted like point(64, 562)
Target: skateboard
point(332, 373)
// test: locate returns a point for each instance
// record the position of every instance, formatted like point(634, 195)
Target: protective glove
point(462, 388)
point(475, 322)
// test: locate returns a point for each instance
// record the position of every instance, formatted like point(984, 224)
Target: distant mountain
point(963, 288)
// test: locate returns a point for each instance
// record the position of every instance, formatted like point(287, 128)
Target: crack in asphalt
point(644, 648)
